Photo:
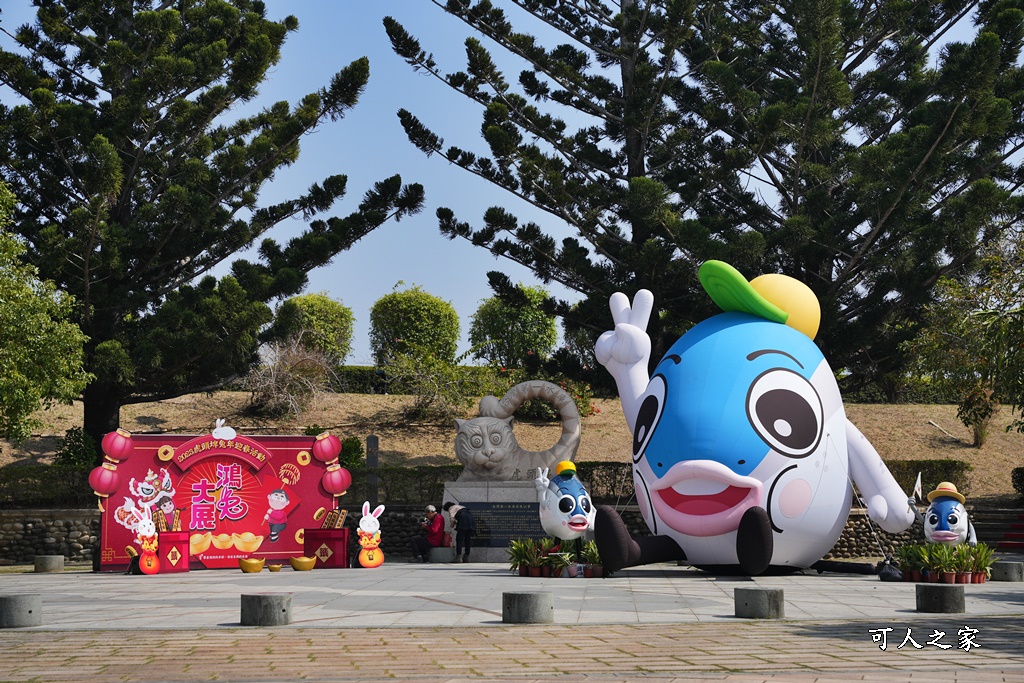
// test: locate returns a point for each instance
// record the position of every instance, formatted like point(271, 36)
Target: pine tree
point(809, 137)
point(135, 181)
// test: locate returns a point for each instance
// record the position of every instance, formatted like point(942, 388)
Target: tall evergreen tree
point(810, 137)
point(134, 181)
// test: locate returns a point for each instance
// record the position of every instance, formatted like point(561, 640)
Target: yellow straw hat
point(945, 489)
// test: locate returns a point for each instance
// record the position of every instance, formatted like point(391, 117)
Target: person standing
point(465, 528)
point(433, 524)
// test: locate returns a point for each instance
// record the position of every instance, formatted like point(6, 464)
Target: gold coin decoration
point(300, 536)
point(302, 458)
point(165, 453)
point(319, 514)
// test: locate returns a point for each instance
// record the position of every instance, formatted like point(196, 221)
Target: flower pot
point(598, 571)
point(524, 570)
point(947, 577)
point(978, 577)
point(963, 577)
point(915, 575)
point(931, 576)
point(545, 571)
point(571, 571)
point(534, 571)
point(588, 572)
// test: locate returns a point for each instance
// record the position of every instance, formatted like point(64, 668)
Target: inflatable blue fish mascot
point(946, 520)
point(565, 508)
point(742, 453)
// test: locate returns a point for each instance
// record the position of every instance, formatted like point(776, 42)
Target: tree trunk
point(102, 406)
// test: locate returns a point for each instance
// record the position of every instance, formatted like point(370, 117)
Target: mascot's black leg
point(754, 541)
point(619, 549)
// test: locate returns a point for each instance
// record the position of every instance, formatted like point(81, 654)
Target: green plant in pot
point(519, 554)
point(591, 559)
point(941, 560)
point(911, 561)
point(963, 561)
point(981, 562)
point(562, 562)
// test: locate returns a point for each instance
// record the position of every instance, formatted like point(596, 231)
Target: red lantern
point(104, 480)
point(336, 480)
point(117, 445)
point(327, 447)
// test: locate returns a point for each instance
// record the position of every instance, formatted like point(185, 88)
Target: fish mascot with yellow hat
point(946, 520)
point(742, 454)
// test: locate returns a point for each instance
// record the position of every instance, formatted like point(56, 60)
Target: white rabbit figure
point(222, 432)
point(368, 523)
point(144, 527)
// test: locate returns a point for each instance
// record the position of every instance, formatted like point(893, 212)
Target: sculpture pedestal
point(503, 511)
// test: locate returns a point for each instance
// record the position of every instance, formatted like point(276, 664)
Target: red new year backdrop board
point(236, 498)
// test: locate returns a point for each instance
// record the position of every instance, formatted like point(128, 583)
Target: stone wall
point(27, 533)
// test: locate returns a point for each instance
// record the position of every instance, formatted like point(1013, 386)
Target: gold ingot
point(251, 565)
point(223, 541)
point(199, 543)
point(302, 564)
point(247, 541)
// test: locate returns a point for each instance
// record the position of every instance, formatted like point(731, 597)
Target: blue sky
point(370, 145)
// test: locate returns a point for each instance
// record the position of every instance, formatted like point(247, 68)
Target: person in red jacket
point(434, 526)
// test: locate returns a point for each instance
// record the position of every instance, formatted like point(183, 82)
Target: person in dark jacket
point(465, 527)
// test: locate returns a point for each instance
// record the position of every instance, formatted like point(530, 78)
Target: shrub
point(78, 449)
point(1017, 479)
point(932, 473)
point(45, 486)
point(403, 321)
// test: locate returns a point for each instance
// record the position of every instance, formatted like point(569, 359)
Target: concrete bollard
point(441, 555)
point(943, 598)
point(18, 611)
point(267, 609)
point(527, 608)
point(1007, 571)
point(759, 603)
point(49, 563)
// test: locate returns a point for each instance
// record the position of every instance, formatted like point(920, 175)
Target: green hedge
point(916, 390)
point(932, 473)
point(45, 486)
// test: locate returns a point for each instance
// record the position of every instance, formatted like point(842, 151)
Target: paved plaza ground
point(443, 623)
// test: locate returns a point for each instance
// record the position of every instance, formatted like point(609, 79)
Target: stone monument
point(497, 482)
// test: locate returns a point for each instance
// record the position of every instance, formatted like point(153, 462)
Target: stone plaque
point(499, 523)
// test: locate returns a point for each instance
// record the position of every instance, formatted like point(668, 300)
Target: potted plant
point(591, 560)
point(562, 562)
point(546, 547)
point(909, 558)
point(519, 555)
point(941, 558)
point(981, 562)
point(963, 560)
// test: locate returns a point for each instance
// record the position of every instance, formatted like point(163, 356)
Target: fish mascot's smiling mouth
point(578, 523)
point(704, 497)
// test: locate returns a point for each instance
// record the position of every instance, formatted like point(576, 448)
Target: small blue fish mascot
point(565, 508)
point(946, 520)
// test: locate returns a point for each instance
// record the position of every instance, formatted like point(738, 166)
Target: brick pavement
point(733, 650)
